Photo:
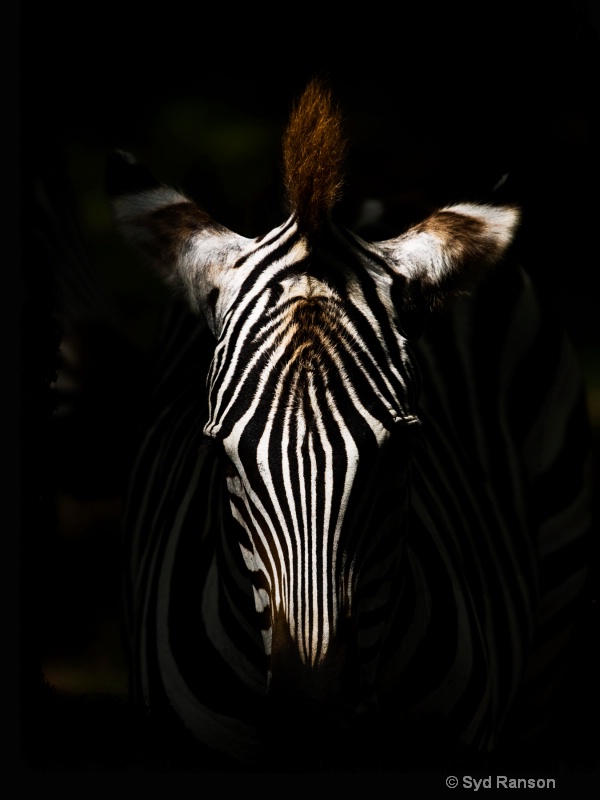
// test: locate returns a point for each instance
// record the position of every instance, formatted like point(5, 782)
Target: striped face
point(312, 392)
point(310, 380)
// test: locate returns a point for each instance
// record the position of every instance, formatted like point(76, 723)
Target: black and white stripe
point(332, 519)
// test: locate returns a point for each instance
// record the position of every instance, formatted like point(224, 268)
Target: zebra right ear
point(181, 242)
point(448, 253)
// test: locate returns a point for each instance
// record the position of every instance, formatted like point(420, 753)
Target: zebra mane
point(313, 151)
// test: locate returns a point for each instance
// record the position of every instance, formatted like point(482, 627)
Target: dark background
point(440, 103)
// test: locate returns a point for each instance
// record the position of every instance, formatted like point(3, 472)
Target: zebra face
point(309, 399)
point(311, 393)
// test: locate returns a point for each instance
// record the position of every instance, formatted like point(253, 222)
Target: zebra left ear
point(448, 252)
point(181, 242)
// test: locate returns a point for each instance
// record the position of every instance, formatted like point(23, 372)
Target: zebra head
point(313, 391)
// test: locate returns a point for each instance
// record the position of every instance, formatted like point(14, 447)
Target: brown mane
point(313, 151)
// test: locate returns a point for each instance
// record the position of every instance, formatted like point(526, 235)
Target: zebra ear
point(448, 252)
point(181, 242)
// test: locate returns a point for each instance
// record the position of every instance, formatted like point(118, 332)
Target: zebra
point(359, 517)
